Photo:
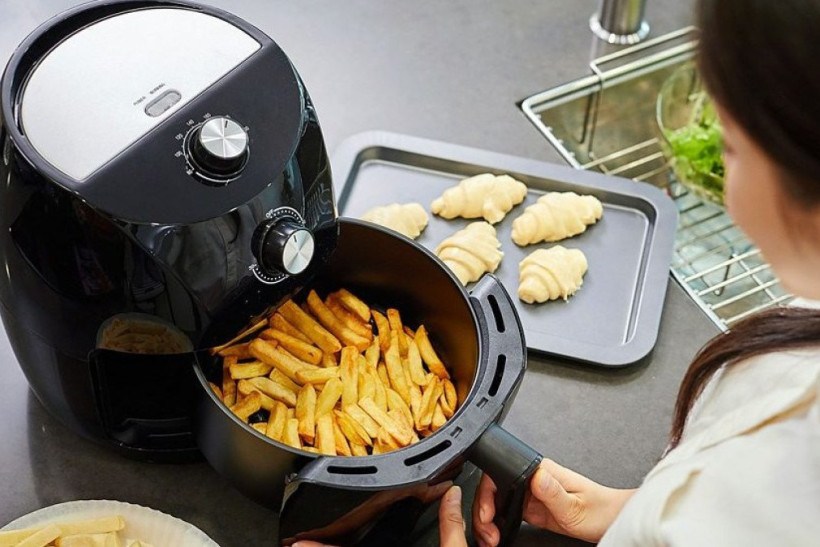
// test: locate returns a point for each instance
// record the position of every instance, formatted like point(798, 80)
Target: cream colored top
point(747, 472)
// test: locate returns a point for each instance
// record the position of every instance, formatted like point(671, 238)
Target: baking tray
point(613, 319)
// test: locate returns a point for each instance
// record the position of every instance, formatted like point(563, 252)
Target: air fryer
point(165, 185)
point(165, 181)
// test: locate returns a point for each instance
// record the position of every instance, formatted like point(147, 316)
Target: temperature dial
point(283, 245)
point(219, 148)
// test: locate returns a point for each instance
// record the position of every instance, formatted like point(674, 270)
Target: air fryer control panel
point(215, 150)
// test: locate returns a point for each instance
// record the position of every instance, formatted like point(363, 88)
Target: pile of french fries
point(319, 379)
point(97, 532)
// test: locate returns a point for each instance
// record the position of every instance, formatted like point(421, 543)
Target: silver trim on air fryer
point(223, 138)
point(94, 86)
point(298, 252)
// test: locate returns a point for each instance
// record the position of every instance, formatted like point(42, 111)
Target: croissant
point(548, 274)
point(471, 252)
point(486, 195)
point(555, 216)
point(408, 219)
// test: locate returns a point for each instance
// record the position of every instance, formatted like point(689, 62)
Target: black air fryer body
point(163, 167)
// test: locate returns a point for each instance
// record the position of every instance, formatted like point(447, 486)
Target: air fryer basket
point(477, 335)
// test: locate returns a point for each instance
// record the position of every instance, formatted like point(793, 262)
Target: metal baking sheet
point(613, 319)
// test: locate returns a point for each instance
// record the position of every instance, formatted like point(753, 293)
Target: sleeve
point(762, 488)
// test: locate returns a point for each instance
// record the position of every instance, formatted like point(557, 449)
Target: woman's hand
point(451, 522)
point(451, 527)
point(559, 500)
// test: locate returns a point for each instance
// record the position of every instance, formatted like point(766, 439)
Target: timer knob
point(283, 245)
point(219, 147)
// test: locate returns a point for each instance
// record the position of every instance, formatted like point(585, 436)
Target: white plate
point(149, 525)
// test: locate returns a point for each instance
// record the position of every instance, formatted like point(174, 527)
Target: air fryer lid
point(105, 100)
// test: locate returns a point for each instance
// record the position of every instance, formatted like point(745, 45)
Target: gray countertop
point(450, 71)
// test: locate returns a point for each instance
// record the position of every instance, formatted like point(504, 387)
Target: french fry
point(333, 324)
point(358, 449)
point(329, 360)
point(353, 430)
point(240, 351)
point(109, 539)
point(249, 370)
point(276, 422)
point(300, 349)
point(409, 332)
point(394, 319)
point(386, 441)
point(286, 364)
point(274, 390)
point(277, 376)
point(216, 389)
point(372, 353)
point(438, 418)
point(280, 323)
point(415, 407)
point(326, 401)
point(367, 386)
point(325, 436)
point(395, 402)
point(354, 304)
point(249, 405)
point(100, 525)
point(428, 403)
point(383, 376)
point(429, 355)
point(395, 429)
point(42, 537)
point(246, 388)
point(414, 364)
point(348, 318)
point(261, 427)
point(449, 401)
point(383, 327)
point(380, 396)
point(401, 419)
point(289, 354)
point(228, 387)
point(306, 412)
point(291, 413)
point(291, 435)
point(310, 327)
point(395, 370)
point(361, 363)
point(406, 368)
point(342, 446)
point(317, 375)
point(451, 394)
point(363, 419)
point(349, 375)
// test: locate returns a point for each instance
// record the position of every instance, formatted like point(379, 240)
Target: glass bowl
point(691, 134)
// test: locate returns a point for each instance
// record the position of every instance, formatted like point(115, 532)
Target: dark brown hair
point(758, 59)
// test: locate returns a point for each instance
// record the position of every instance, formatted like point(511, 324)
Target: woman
point(743, 464)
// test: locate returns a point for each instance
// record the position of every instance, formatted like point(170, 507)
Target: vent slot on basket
point(359, 470)
point(499, 319)
point(427, 454)
point(500, 365)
